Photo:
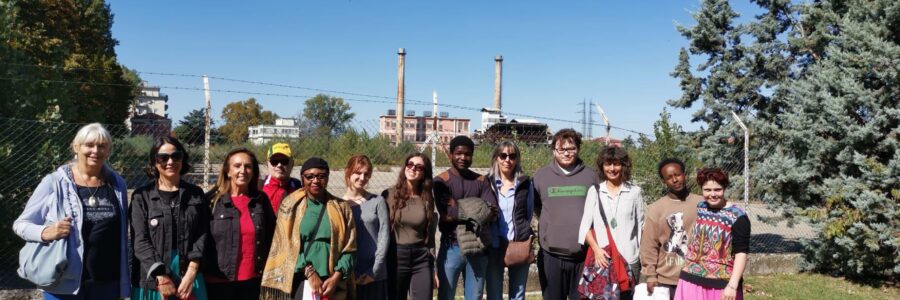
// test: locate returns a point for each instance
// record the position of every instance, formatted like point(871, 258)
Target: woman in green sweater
point(318, 258)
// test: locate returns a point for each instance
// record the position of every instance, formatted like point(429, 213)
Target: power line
point(392, 100)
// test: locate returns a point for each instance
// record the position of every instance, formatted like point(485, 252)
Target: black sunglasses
point(415, 167)
point(282, 161)
point(504, 156)
point(320, 177)
point(176, 156)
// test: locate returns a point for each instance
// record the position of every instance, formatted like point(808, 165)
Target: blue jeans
point(451, 263)
point(518, 276)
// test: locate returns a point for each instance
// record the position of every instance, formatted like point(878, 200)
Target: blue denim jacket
point(59, 186)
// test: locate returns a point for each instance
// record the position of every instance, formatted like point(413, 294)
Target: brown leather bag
point(518, 253)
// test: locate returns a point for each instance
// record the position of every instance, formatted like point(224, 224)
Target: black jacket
point(155, 224)
point(522, 220)
point(225, 235)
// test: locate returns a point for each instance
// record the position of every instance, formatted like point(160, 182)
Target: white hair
point(92, 133)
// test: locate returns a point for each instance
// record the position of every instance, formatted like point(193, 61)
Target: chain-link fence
point(31, 149)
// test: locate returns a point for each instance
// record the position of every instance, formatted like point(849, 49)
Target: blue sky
point(555, 54)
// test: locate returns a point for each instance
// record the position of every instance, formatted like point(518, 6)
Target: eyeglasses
point(412, 166)
point(510, 156)
point(566, 150)
point(176, 156)
point(320, 176)
point(283, 161)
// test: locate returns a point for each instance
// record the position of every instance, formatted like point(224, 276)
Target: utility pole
point(590, 122)
point(583, 112)
point(206, 135)
point(434, 136)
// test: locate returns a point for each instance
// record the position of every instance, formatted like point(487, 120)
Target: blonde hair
point(92, 133)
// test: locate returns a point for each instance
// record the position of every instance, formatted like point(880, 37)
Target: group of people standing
point(283, 238)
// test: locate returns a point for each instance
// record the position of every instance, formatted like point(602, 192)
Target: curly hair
point(610, 154)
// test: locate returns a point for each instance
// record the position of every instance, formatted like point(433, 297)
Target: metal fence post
point(746, 157)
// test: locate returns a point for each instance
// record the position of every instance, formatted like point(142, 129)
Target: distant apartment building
point(148, 114)
point(283, 129)
point(416, 129)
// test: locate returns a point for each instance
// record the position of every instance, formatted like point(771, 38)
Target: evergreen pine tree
point(837, 158)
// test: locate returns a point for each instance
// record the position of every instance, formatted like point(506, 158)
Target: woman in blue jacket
point(94, 201)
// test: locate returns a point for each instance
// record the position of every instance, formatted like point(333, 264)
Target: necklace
point(92, 201)
point(612, 222)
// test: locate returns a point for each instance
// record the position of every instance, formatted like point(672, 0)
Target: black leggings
point(415, 272)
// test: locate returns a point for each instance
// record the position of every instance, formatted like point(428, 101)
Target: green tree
point(240, 115)
point(192, 129)
point(59, 63)
point(817, 84)
point(742, 66)
point(327, 115)
point(837, 160)
point(669, 141)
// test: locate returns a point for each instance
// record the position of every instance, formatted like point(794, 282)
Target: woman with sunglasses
point(372, 230)
point(240, 231)
point(314, 249)
point(169, 228)
point(413, 223)
point(516, 200)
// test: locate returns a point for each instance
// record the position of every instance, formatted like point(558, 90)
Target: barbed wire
point(388, 100)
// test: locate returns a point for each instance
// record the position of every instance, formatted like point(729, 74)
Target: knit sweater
point(664, 242)
point(717, 236)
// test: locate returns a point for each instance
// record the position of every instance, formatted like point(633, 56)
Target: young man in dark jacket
point(560, 191)
point(454, 184)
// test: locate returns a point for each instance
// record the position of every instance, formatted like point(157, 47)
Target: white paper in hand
point(309, 293)
point(659, 292)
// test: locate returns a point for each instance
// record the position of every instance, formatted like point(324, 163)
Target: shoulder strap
point(308, 239)
point(600, 205)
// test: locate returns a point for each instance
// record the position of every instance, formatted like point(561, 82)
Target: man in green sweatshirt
point(666, 226)
point(560, 191)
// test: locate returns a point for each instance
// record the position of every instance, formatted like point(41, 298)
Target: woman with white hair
point(94, 200)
